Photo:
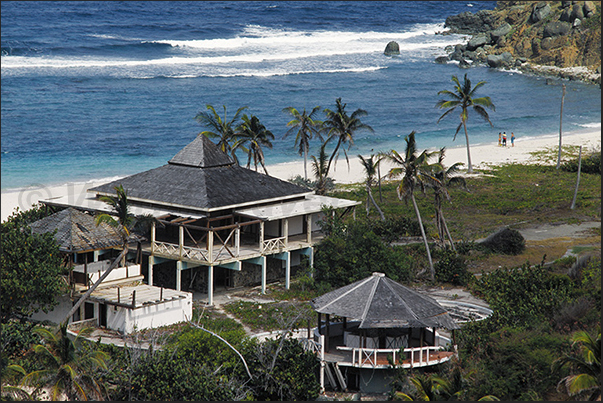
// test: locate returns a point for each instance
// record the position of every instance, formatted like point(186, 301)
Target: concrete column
point(261, 235)
point(96, 255)
point(178, 274)
point(263, 274)
point(210, 285)
point(150, 273)
point(287, 270)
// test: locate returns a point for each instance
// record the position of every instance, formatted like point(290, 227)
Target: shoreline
point(481, 156)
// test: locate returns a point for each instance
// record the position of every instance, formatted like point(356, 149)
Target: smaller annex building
point(374, 321)
point(217, 224)
point(121, 302)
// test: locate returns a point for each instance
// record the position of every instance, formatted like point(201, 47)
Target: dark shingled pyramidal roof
point(201, 153)
point(202, 177)
point(77, 231)
point(380, 302)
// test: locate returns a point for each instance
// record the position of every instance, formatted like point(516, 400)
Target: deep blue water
point(94, 90)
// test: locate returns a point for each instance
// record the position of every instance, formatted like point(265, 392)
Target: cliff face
point(562, 34)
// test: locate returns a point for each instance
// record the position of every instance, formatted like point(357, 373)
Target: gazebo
point(383, 322)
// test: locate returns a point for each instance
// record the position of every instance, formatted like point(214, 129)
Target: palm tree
point(125, 224)
point(433, 388)
point(306, 127)
point(320, 167)
point(220, 128)
point(342, 126)
point(252, 131)
point(446, 177)
point(587, 379)
point(370, 169)
point(69, 369)
point(413, 169)
point(463, 98)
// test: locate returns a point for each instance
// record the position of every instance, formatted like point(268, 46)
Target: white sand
point(481, 155)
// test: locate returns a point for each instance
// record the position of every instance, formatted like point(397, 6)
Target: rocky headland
point(550, 38)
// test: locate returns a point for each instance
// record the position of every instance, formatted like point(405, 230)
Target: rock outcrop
point(392, 48)
point(560, 38)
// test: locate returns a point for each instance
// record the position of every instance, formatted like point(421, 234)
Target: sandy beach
point(481, 156)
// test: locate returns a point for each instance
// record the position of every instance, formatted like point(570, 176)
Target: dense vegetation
point(542, 300)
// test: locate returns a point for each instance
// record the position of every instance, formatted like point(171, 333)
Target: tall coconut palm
point(341, 126)
point(320, 168)
point(220, 128)
point(254, 135)
point(125, 224)
point(69, 369)
point(463, 98)
point(586, 379)
point(370, 169)
point(412, 167)
point(446, 177)
point(307, 127)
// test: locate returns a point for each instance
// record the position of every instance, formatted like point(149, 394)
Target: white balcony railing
point(273, 245)
point(410, 357)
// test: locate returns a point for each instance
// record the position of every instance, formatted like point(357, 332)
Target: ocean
point(94, 90)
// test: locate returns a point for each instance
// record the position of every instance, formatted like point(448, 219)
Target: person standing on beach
point(512, 139)
point(499, 137)
point(504, 142)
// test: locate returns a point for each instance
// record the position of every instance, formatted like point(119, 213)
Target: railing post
point(153, 238)
point(180, 240)
point(262, 236)
point(210, 245)
point(286, 231)
point(237, 241)
point(134, 299)
point(309, 228)
point(322, 361)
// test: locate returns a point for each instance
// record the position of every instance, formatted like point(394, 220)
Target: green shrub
point(349, 256)
point(451, 268)
point(591, 164)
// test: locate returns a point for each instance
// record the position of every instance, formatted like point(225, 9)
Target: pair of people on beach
point(503, 136)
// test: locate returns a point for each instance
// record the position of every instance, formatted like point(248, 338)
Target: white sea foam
point(256, 44)
point(590, 125)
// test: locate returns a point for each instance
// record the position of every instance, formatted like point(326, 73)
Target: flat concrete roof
point(91, 203)
point(311, 204)
point(145, 295)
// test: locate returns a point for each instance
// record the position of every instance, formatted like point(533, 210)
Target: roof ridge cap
point(370, 298)
point(361, 283)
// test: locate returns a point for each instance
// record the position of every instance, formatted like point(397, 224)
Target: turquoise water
point(93, 90)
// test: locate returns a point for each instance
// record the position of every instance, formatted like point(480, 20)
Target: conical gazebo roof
point(380, 302)
point(77, 231)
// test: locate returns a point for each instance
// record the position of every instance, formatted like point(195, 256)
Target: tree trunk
point(577, 180)
point(469, 166)
point(560, 122)
point(306, 164)
point(431, 269)
point(370, 195)
point(447, 232)
point(379, 179)
point(91, 289)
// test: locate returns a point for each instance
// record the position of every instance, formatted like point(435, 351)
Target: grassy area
point(514, 195)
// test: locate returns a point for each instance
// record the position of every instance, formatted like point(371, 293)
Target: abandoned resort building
point(219, 226)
